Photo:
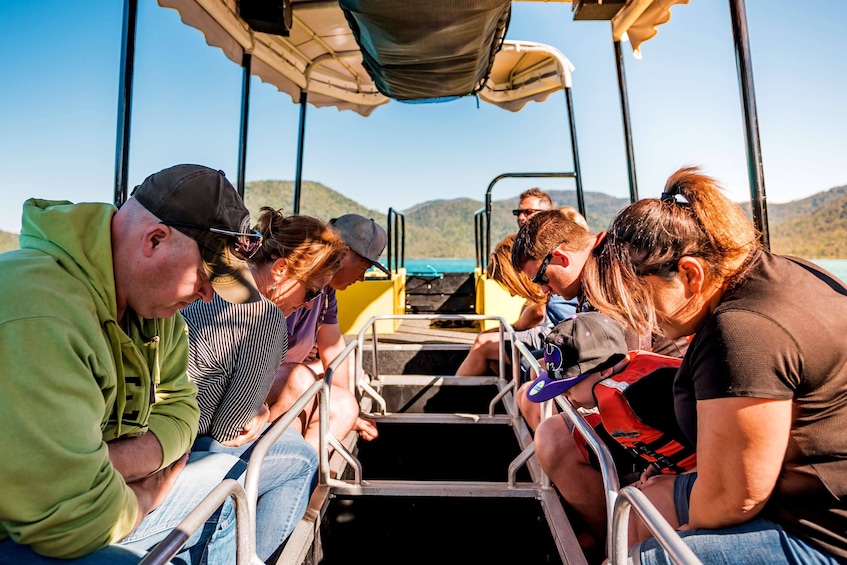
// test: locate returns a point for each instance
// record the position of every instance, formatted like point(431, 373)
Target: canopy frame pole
point(301, 138)
point(130, 20)
point(627, 125)
point(580, 197)
point(755, 170)
point(247, 64)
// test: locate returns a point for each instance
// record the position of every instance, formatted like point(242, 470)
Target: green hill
point(814, 227)
point(8, 241)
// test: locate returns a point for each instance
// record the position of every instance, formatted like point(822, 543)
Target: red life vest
point(637, 403)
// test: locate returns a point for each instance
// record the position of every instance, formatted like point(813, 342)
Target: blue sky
point(58, 110)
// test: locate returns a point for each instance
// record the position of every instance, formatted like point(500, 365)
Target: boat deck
point(451, 477)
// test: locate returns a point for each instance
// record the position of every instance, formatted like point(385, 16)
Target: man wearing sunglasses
point(95, 400)
point(314, 336)
point(530, 202)
point(552, 249)
point(535, 319)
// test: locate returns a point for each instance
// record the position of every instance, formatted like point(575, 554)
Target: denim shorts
point(682, 486)
point(763, 541)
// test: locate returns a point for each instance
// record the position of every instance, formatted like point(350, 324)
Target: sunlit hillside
point(814, 227)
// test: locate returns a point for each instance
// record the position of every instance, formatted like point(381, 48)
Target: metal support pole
point(627, 127)
point(301, 135)
point(755, 170)
point(246, 63)
point(130, 20)
point(580, 197)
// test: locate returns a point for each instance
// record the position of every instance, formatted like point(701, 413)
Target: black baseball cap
point(201, 203)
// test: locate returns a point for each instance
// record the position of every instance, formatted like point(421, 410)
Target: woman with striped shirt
point(235, 352)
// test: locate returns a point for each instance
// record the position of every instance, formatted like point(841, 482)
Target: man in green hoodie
point(96, 407)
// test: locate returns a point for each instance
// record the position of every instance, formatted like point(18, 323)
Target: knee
point(554, 445)
point(543, 444)
point(344, 407)
point(298, 377)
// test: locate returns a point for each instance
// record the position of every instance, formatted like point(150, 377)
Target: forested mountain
point(814, 227)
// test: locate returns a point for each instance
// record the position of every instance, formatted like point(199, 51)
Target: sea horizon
point(434, 265)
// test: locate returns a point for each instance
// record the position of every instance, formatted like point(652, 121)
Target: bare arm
point(330, 344)
point(741, 443)
point(136, 457)
point(531, 316)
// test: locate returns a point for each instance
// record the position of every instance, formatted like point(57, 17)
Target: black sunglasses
point(246, 244)
point(540, 277)
point(312, 294)
point(527, 211)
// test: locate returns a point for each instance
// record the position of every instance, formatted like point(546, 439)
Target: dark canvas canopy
point(443, 48)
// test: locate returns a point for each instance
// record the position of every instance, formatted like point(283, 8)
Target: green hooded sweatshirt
point(73, 380)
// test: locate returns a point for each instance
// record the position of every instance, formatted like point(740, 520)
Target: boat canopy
point(343, 54)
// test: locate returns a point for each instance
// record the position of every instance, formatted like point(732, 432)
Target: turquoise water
point(837, 267)
point(433, 266)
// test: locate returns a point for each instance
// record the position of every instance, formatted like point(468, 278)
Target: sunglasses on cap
point(246, 244)
point(526, 211)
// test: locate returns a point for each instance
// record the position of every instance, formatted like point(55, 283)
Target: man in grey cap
point(314, 337)
point(95, 400)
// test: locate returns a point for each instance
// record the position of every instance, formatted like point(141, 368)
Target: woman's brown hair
point(649, 237)
point(311, 248)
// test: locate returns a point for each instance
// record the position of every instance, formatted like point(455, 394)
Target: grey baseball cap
point(201, 203)
point(364, 236)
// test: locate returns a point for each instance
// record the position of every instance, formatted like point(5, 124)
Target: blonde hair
point(574, 215)
point(501, 270)
point(649, 237)
point(312, 249)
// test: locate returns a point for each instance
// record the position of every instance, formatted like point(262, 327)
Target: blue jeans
point(289, 474)
point(764, 542)
point(756, 542)
point(215, 541)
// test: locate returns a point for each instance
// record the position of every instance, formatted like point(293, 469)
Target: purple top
point(304, 322)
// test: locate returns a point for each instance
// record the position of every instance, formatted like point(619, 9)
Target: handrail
point(245, 549)
point(480, 236)
point(263, 444)
point(396, 253)
point(518, 349)
point(488, 203)
point(371, 325)
point(667, 537)
point(617, 538)
point(611, 483)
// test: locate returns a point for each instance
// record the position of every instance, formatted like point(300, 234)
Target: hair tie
point(668, 197)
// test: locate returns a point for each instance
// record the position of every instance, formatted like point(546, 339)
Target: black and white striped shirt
point(234, 354)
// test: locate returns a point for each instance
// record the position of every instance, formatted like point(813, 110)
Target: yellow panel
point(493, 300)
point(361, 301)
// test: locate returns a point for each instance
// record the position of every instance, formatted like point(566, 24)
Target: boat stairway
point(442, 293)
point(451, 476)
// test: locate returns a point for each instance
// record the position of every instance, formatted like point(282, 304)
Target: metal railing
point(396, 250)
point(618, 501)
point(246, 497)
point(668, 538)
point(617, 515)
point(245, 550)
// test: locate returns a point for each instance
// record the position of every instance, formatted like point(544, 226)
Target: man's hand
point(152, 490)
point(366, 428)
